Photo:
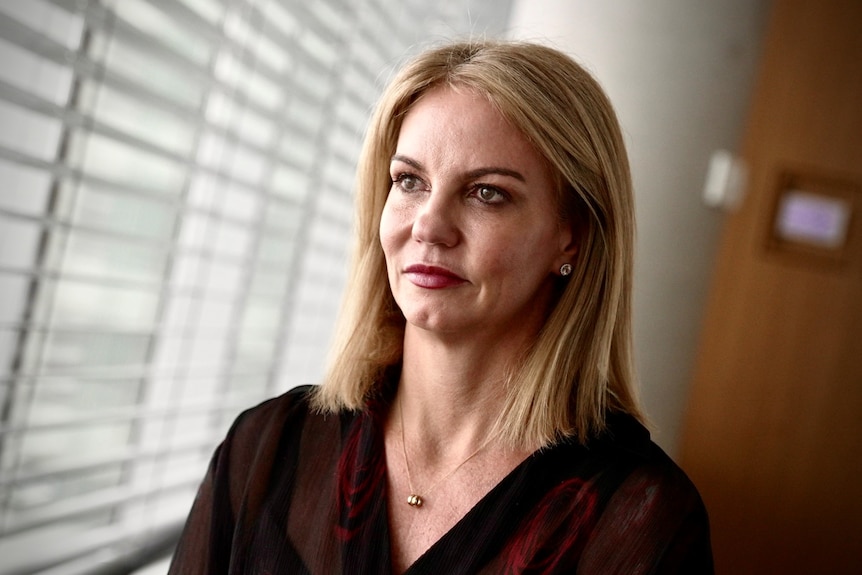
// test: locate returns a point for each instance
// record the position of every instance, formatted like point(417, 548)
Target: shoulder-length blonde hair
point(580, 366)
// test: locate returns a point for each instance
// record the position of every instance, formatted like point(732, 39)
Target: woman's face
point(470, 229)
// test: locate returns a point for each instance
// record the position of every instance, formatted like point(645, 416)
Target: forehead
point(461, 128)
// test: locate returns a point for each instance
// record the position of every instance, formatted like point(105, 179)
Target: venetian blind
point(175, 207)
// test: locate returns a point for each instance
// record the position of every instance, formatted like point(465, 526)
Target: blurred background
point(175, 213)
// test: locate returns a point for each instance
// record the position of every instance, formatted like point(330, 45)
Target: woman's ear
point(568, 245)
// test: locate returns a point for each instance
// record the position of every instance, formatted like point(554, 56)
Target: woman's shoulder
point(293, 406)
point(653, 509)
point(292, 402)
point(629, 445)
point(627, 469)
point(269, 426)
point(645, 509)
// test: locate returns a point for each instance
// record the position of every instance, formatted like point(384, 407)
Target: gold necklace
point(414, 499)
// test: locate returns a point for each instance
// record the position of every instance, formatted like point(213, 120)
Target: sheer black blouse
point(295, 492)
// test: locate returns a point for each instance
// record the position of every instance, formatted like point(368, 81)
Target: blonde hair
point(580, 366)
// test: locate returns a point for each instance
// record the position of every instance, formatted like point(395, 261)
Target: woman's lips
point(432, 277)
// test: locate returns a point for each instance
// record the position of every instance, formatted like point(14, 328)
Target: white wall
point(679, 74)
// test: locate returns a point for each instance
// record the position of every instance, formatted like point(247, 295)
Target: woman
point(479, 415)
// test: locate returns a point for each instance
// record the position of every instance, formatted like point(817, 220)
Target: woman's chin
point(437, 323)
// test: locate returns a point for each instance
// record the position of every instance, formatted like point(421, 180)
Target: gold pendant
point(414, 500)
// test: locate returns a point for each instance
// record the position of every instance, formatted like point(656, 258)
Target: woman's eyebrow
point(472, 174)
point(407, 160)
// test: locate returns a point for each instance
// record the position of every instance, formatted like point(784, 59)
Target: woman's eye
point(407, 183)
point(489, 194)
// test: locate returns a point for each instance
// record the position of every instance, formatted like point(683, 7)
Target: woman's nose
point(435, 220)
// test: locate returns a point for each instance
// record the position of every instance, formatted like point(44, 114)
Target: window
point(174, 216)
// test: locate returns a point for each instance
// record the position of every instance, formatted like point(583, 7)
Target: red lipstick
point(432, 277)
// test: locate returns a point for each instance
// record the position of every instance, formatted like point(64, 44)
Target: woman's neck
point(451, 394)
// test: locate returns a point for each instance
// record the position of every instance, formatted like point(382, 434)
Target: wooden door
point(773, 433)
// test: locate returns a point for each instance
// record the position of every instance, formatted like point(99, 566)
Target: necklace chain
point(414, 499)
